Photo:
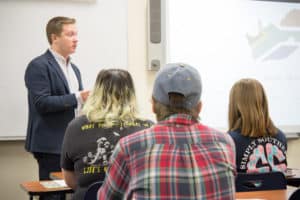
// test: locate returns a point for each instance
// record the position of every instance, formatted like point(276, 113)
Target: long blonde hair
point(112, 99)
point(248, 109)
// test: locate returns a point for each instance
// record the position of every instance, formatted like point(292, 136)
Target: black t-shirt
point(87, 147)
point(262, 154)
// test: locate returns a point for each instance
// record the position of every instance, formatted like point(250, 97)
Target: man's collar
point(183, 119)
point(57, 56)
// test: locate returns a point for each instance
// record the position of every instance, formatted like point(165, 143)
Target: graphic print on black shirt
point(88, 147)
point(264, 155)
point(102, 153)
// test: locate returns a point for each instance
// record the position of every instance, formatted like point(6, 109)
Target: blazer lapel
point(56, 66)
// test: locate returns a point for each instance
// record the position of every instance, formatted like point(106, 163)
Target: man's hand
point(84, 95)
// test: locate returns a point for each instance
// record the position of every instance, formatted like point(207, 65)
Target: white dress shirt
point(70, 76)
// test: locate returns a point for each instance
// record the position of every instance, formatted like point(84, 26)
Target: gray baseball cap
point(178, 78)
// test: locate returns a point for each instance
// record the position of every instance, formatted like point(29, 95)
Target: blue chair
point(91, 193)
point(295, 195)
point(260, 181)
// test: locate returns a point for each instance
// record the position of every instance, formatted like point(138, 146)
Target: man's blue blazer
point(51, 106)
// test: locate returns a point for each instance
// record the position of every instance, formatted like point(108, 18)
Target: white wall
point(137, 52)
point(18, 165)
point(102, 34)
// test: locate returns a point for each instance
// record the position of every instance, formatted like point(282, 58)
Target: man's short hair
point(162, 111)
point(55, 26)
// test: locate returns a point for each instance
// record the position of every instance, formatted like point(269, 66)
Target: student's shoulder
point(146, 122)
point(142, 130)
point(210, 133)
point(235, 134)
point(211, 130)
point(280, 135)
point(78, 121)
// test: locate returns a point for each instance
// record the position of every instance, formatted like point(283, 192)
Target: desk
point(56, 175)
point(266, 195)
point(294, 179)
point(272, 194)
point(34, 188)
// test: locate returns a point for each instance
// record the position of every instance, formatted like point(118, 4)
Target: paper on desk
point(54, 184)
point(249, 199)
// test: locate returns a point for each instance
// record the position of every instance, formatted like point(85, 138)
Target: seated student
point(178, 158)
point(109, 114)
point(260, 146)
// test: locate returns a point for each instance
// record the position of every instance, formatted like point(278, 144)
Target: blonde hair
point(248, 109)
point(112, 100)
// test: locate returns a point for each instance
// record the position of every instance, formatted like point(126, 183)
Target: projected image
point(237, 39)
point(275, 42)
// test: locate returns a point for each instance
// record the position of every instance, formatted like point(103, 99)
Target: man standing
point(179, 157)
point(54, 95)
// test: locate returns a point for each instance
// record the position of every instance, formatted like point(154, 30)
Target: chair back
point(91, 193)
point(260, 181)
point(295, 195)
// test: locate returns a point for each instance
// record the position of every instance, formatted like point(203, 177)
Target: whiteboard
point(234, 39)
point(102, 34)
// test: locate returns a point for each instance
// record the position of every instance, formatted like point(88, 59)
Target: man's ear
point(153, 107)
point(199, 107)
point(53, 37)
